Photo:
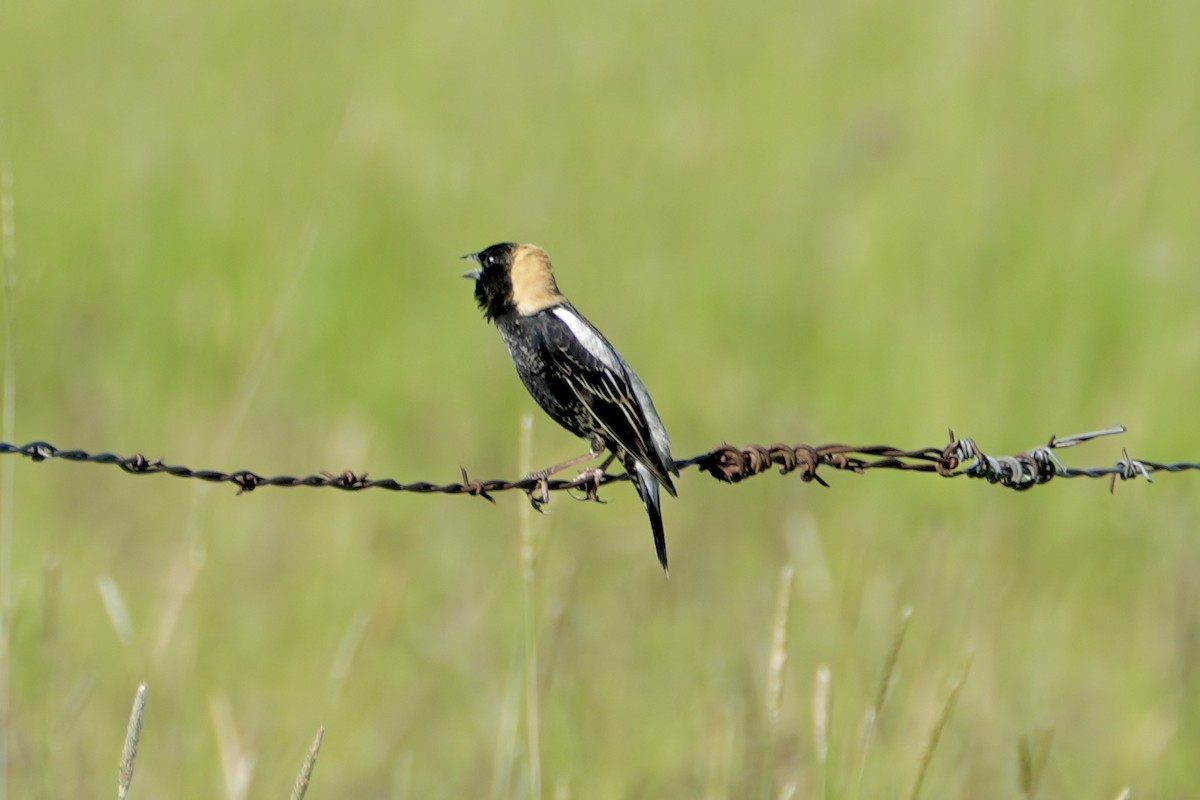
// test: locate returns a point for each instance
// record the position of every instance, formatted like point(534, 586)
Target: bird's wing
point(617, 400)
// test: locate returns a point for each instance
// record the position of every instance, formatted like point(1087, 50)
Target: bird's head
point(513, 278)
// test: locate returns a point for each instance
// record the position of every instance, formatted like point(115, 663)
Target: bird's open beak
point(475, 273)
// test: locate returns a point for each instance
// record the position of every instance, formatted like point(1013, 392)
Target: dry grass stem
point(871, 717)
point(506, 735)
point(529, 572)
point(237, 766)
point(777, 660)
point(133, 734)
point(114, 606)
point(939, 726)
point(300, 788)
point(889, 666)
point(343, 659)
point(191, 556)
point(776, 664)
point(268, 338)
point(822, 708)
point(180, 579)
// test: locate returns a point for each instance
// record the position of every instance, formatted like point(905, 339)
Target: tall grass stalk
point(939, 726)
point(300, 788)
point(822, 709)
point(237, 765)
point(871, 718)
point(133, 735)
point(776, 664)
point(190, 560)
point(115, 607)
point(506, 733)
point(528, 574)
point(343, 659)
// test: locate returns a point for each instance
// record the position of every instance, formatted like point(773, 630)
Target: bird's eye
point(491, 261)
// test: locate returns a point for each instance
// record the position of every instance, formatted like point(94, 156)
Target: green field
point(236, 239)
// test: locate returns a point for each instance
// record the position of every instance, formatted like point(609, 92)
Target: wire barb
point(474, 488)
point(728, 464)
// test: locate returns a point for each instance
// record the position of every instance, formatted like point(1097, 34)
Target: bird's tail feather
point(647, 488)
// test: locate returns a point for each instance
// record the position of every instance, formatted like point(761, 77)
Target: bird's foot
point(539, 491)
point(589, 480)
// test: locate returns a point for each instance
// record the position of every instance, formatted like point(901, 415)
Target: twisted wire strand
point(960, 457)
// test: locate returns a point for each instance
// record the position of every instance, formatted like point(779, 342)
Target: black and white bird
point(575, 375)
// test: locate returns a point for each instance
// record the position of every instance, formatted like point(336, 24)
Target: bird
point(574, 374)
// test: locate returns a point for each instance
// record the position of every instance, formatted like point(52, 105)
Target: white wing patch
point(591, 341)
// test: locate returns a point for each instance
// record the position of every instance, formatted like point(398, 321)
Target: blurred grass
point(863, 223)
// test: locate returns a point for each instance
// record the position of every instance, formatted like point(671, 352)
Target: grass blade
point(939, 726)
point(529, 572)
point(133, 734)
point(776, 663)
point(306, 769)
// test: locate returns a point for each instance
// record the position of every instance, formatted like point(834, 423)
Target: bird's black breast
point(536, 344)
point(584, 384)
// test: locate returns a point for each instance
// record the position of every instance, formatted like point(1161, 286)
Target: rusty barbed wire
point(729, 464)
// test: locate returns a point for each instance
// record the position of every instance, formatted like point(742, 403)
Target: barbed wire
point(729, 464)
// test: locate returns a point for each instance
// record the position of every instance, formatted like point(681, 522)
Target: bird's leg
point(594, 474)
point(542, 476)
point(597, 447)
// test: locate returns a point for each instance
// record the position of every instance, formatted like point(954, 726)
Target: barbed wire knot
point(475, 488)
point(138, 463)
point(725, 463)
point(39, 451)
point(806, 459)
point(245, 480)
point(1127, 469)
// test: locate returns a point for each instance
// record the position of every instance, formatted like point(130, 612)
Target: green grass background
point(236, 237)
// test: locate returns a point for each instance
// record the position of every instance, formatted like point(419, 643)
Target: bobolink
point(573, 372)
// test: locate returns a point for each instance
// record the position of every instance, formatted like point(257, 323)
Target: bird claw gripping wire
point(589, 480)
point(538, 491)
